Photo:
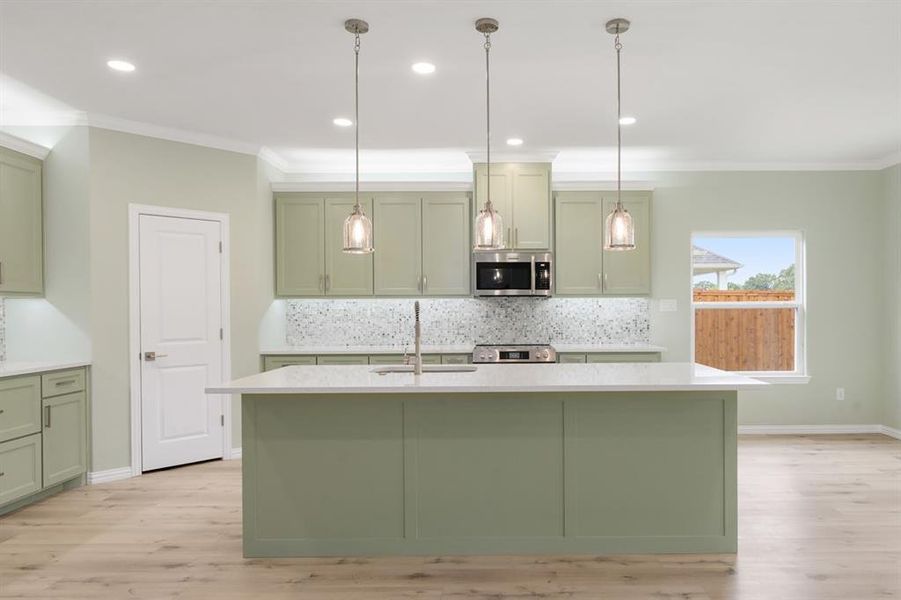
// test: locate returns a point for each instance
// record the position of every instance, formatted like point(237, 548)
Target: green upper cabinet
point(446, 246)
point(345, 274)
point(582, 267)
point(21, 224)
point(398, 244)
point(299, 246)
point(578, 266)
point(629, 272)
point(309, 257)
point(521, 193)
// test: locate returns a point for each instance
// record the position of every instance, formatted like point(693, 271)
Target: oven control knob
point(543, 354)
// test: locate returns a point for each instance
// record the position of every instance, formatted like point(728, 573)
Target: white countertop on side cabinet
point(13, 368)
point(492, 378)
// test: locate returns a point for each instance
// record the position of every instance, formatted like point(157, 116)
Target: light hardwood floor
point(820, 518)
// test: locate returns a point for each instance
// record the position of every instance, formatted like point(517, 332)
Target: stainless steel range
point(514, 353)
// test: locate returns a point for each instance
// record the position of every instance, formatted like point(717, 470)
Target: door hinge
point(220, 247)
point(221, 334)
point(222, 420)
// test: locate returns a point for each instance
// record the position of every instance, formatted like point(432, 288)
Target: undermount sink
point(425, 369)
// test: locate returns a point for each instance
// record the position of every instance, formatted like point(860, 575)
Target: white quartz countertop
point(13, 368)
point(448, 349)
point(603, 377)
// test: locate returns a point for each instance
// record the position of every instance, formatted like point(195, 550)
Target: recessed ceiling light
point(423, 68)
point(514, 141)
point(120, 65)
point(342, 122)
point(627, 120)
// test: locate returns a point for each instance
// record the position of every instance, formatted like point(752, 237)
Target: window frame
point(800, 373)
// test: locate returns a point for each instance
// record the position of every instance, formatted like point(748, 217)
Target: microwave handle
point(533, 275)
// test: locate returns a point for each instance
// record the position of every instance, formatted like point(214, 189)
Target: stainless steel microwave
point(512, 273)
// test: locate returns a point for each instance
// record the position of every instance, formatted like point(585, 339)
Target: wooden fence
point(745, 339)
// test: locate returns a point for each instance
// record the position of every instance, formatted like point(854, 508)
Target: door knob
point(151, 356)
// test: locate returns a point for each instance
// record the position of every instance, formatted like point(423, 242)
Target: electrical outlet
point(839, 394)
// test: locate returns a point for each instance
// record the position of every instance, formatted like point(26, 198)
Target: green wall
point(891, 180)
point(128, 169)
point(841, 216)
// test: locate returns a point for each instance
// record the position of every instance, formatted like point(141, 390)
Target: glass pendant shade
point(358, 232)
point(489, 229)
point(619, 231)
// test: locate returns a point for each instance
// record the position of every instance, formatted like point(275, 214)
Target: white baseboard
point(109, 475)
point(891, 432)
point(810, 429)
point(235, 453)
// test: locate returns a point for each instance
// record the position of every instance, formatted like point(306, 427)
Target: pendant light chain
point(357, 119)
point(619, 126)
point(488, 114)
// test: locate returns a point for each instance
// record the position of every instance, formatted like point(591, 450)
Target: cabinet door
point(629, 271)
point(21, 226)
point(20, 468)
point(398, 243)
point(531, 207)
point(617, 357)
point(20, 407)
point(446, 247)
point(342, 359)
point(64, 438)
point(346, 274)
point(578, 267)
point(501, 195)
point(456, 359)
point(570, 358)
point(299, 246)
point(270, 363)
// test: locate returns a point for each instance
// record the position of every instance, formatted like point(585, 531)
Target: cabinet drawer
point(341, 359)
point(570, 358)
point(271, 363)
point(20, 468)
point(62, 382)
point(455, 359)
point(64, 444)
point(20, 407)
point(386, 359)
point(609, 357)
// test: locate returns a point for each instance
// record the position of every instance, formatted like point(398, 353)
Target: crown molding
point(24, 146)
point(372, 186)
point(480, 156)
point(171, 134)
point(596, 185)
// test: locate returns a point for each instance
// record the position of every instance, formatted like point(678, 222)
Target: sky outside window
point(756, 254)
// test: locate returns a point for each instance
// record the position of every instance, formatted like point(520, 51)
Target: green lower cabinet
point(570, 358)
point(456, 359)
point(64, 444)
point(342, 359)
point(386, 359)
point(609, 357)
point(20, 407)
point(20, 468)
point(271, 363)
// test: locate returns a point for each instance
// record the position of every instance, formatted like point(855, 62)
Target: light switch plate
point(668, 305)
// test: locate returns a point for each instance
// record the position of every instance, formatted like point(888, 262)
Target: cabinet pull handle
point(605, 282)
point(2, 473)
point(425, 283)
point(1, 271)
point(509, 237)
point(47, 417)
point(1, 411)
point(516, 236)
point(321, 287)
point(328, 282)
point(69, 381)
point(600, 285)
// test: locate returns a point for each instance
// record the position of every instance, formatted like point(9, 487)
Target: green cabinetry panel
point(446, 245)
point(521, 193)
point(20, 468)
point(485, 468)
point(342, 359)
point(20, 407)
point(21, 224)
point(64, 443)
point(398, 243)
point(323, 470)
point(570, 357)
point(62, 382)
point(299, 246)
point(271, 363)
point(609, 357)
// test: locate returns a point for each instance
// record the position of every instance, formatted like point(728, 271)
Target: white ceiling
point(714, 84)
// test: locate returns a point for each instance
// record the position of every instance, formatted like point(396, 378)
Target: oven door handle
point(532, 270)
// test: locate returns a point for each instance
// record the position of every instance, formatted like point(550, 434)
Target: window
point(748, 302)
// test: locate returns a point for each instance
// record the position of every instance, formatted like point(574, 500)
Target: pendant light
point(619, 230)
point(357, 226)
point(489, 224)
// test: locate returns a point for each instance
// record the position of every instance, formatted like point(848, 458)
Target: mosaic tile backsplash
point(452, 321)
point(2, 331)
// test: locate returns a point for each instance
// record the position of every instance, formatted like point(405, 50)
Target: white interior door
point(181, 349)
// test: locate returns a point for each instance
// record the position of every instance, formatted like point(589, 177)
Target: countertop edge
point(33, 367)
point(438, 349)
point(695, 387)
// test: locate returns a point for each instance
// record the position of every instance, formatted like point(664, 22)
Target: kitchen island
point(513, 459)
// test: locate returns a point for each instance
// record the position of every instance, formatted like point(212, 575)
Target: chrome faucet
point(417, 364)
